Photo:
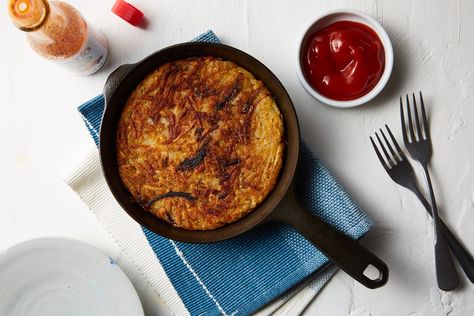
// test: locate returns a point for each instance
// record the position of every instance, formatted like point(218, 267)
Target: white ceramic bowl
point(346, 15)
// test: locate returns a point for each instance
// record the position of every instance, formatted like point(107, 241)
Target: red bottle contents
point(344, 61)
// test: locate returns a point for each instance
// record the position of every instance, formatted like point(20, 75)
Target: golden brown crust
point(200, 143)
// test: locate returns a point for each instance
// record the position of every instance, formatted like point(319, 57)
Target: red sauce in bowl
point(344, 60)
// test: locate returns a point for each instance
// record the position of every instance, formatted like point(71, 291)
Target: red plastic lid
point(127, 12)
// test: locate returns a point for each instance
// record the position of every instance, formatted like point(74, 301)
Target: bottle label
point(92, 56)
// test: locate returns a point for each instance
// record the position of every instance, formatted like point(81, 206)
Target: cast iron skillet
point(281, 205)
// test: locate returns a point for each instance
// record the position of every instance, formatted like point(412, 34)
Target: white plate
point(54, 276)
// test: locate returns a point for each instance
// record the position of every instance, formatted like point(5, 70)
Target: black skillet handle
point(345, 252)
point(114, 80)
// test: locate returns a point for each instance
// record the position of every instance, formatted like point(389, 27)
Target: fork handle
point(462, 255)
point(464, 258)
point(446, 273)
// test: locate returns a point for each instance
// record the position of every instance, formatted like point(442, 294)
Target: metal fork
point(401, 172)
point(418, 145)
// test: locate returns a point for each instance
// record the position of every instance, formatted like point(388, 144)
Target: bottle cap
point(127, 12)
point(28, 15)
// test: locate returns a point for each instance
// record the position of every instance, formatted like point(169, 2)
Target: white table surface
point(43, 136)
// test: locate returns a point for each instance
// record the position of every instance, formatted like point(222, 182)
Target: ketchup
point(344, 61)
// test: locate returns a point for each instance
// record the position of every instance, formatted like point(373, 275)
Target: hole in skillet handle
point(373, 273)
point(375, 276)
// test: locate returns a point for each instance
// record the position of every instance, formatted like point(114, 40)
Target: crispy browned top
point(200, 143)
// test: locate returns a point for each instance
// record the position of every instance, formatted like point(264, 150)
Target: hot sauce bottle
point(58, 32)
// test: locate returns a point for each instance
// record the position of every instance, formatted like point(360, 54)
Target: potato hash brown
point(200, 143)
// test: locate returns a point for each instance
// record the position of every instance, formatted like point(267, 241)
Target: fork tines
point(392, 158)
point(422, 130)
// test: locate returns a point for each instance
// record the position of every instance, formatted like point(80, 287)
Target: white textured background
point(42, 136)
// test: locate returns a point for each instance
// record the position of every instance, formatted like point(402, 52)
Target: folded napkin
point(240, 275)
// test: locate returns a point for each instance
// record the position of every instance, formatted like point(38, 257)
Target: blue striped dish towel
point(240, 275)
